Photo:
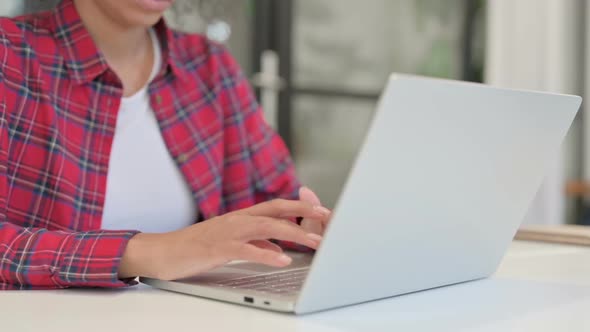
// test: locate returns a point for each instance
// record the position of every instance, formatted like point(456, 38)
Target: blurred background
point(318, 67)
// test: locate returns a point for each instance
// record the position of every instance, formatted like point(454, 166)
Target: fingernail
point(322, 210)
point(315, 237)
point(284, 259)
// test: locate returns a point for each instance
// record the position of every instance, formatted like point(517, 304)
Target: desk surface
point(538, 287)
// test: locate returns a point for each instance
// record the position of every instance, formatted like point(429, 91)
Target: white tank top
point(145, 189)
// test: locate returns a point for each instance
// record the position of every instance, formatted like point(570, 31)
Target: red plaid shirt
point(58, 110)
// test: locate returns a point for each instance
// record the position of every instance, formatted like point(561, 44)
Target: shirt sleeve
point(38, 258)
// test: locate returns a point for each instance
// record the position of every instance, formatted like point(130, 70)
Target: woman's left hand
point(311, 225)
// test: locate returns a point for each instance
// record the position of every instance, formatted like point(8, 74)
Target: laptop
point(442, 182)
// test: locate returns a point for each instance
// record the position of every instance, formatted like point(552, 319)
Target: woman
point(112, 124)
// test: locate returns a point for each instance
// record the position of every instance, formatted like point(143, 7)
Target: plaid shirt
point(58, 110)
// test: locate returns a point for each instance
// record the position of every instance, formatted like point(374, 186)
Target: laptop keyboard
point(281, 283)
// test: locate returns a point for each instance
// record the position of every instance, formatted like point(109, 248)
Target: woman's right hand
point(240, 235)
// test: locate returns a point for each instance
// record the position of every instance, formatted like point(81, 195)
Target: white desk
point(539, 287)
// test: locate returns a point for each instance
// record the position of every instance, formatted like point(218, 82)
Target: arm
point(38, 258)
point(273, 172)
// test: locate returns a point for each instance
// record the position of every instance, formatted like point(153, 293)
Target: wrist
point(138, 257)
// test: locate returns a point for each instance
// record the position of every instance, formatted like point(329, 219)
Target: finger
point(312, 226)
point(307, 195)
point(254, 254)
point(264, 228)
point(282, 208)
point(265, 244)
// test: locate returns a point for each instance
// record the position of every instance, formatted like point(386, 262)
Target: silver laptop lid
point(443, 180)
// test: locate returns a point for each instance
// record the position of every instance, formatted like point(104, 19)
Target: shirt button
point(182, 158)
point(158, 99)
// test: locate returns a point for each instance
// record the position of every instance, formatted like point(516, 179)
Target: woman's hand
point(240, 235)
